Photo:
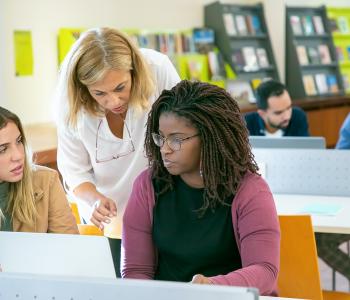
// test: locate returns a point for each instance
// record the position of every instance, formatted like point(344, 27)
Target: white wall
point(30, 97)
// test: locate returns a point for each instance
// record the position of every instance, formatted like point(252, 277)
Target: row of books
point(250, 59)
point(339, 24)
point(343, 53)
point(242, 24)
point(320, 83)
point(168, 42)
point(307, 25)
point(313, 55)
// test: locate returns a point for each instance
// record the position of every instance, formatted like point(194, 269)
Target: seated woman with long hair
point(31, 197)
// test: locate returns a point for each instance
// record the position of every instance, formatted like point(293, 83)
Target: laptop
point(290, 142)
point(54, 287)
point(56, 254)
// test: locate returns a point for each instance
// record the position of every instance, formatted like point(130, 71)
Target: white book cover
point(302, 55)
point(251, 63)
point(309, 85)
point(241, 25)
point(321, 83)
point(324, 54)
point(229, 24)
point(318, 24)
point(262, 57)
point(296, 25)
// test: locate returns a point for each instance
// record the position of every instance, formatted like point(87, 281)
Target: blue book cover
point(256, 24)
point(332, 83)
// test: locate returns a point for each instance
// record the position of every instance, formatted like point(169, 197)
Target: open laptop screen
point(56, 254)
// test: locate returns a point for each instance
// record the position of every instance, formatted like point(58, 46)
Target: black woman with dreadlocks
point(200, 212)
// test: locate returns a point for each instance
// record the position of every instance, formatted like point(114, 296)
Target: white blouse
point(76, 152)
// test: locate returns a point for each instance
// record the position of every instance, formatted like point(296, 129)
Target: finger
point(112, 208)
point(97, 223)
point(103, 208)
point(197, 278)
point(100, 217)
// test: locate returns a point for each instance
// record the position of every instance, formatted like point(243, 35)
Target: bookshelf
point(242, 37)
point(192, 52)
point(339, 23)
point(312, 68)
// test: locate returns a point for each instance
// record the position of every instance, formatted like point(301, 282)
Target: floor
point(341, 283)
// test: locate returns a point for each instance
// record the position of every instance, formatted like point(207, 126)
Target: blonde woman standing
point(31, 197)
point(105, 91)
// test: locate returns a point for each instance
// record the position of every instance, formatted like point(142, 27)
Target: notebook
point(56, 254)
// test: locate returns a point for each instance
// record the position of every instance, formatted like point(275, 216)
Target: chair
point(75, 211)
point(299, 275)
point(87, 229)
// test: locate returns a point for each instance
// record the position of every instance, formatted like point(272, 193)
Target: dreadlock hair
point(226, 153)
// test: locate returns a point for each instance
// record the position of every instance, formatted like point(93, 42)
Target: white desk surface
point(294, 204)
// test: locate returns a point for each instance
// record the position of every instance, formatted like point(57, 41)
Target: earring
point(200, 169)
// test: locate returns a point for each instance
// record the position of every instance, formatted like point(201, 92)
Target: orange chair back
point(75, 211)
point(299, 275)
point(89, 229)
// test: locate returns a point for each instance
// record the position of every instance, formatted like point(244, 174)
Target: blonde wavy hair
point(95, 52)
point(21, 201)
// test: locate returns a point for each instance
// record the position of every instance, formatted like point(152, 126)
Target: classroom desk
point(294, 204)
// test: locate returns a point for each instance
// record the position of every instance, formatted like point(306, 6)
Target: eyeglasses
point(124, 147)
point(174, 143)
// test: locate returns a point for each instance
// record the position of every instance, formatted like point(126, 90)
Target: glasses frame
point(163, 139)
point(117, 156)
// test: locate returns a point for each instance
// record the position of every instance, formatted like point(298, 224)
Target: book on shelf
point(238, 59)
point(346, 82)
point(255, 82)
point(325, 56)
point(250, 26)
point(240, 90)
point(229, 24)
point(257, 24)
point(203, 39)
point(309, 85)
point(333, 25)
point(321, 83)
point(253, 24)
point(302, 55)
point(263, 61)
point(332, 83)
point(307, 25)
point(314, 57)
point(296, 25)
point(216, 66)
point(348, 52)
point(251, 62)
point(241, 25)
point(343, 24)
point(340, 53)
point(193, 66)
point(318, 24)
